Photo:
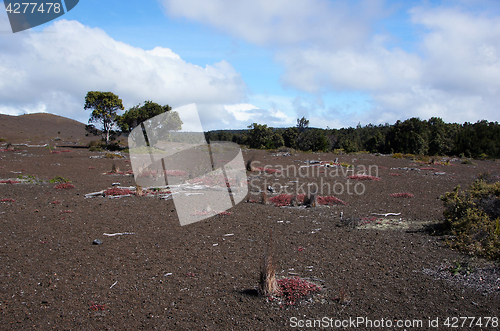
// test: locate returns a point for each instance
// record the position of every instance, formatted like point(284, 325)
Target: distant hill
point(41, 128)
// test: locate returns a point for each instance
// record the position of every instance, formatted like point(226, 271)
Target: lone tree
point(302, 124)
point(159, 126)
point(138, 114)
point(104, 106)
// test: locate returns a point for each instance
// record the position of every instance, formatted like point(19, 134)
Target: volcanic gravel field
point(152, 273)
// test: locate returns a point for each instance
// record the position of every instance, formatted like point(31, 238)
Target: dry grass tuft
point(138, 190)
point(264, 198)
point(268, 285)
point(249, 165)
point(115, 169)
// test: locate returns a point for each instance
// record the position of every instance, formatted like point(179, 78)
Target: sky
point(337, 63)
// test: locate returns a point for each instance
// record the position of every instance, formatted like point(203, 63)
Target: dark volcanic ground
point(168, 277)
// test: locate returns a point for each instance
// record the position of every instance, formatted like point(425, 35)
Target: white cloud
point(54, 69)
point(241, 112)
point(332, 23)
point(330, 46)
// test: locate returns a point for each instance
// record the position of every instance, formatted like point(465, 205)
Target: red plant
point(428, 168)
point(117, 191)
point(393, 174)
point(176, 173)
point(364, 177)
point(402, 195)
point(91, 167)
point(214, 180)
point(66, 212)
point(300, 248)
point(55, 202)
point(292, 289)
point(286, 199)
point(59, 152)
point(64, 186)
point(7, 200)
point(366, 220)
point(9, 182)
point(268, 170)
point(330, 200)
point(95, 306)
point(226, 213)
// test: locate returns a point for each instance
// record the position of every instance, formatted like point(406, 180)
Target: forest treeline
point(412, 136)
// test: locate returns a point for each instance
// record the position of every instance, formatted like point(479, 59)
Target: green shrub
point(2, 140)
point(59, 179)
point(473, 218)
point(467, 161)
point(96, 145)
point(423, 158)
point(397, 156)
point(113, 156)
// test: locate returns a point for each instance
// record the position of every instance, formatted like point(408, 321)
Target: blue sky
point(338, 63)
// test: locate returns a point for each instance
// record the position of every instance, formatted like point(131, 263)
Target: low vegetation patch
point(473, 218)
point(9, 182)
point(55, 151)
point(117, 191)
point(287, 200)
point(295, 288)
point(59, 179)
point(7, 200)
point(64, 186)
point(267, 170)
point(113, 156)
point(364, 177)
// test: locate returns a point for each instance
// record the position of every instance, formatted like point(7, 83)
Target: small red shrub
point(9, 182)
point(286, 199)
point(366, 220)
point(117, 191)
point(95, 307)
point(268, 170)
point(429, 168)
point(66, 212)
point(64, 186)
point(393, 174)
point(226, 213)
point(55, 202)
point(91, 167)
point(176, 173)
point(402, 195)
point(330, 200)
point(292, 289)
point(7, 200)
point(364, 177)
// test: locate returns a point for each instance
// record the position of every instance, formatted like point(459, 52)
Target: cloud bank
point(51, 71)
point(452, 69)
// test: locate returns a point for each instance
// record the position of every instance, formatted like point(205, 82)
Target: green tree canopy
point(140, 113)
point(104, 106)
